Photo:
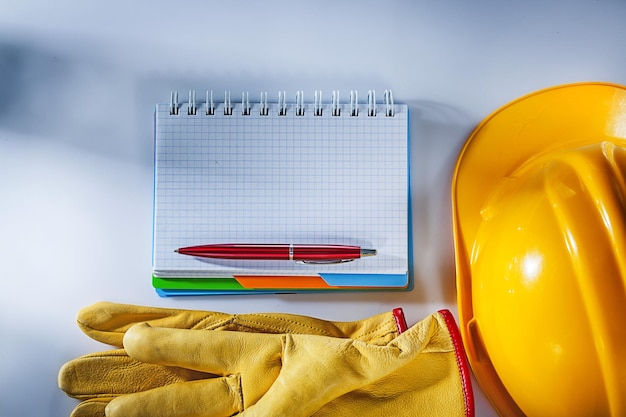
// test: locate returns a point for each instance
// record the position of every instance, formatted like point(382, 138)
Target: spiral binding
point(282, 105)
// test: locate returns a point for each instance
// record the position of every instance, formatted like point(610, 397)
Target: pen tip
point(176, 250)
point(368, 252)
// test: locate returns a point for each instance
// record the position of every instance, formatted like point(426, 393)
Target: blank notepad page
point(301, 178)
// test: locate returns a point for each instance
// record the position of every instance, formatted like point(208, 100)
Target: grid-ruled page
point(282, 179)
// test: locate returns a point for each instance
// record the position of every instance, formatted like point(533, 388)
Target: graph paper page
point(301, 179)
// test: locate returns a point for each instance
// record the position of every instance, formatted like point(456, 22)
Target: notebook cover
point(308, 175)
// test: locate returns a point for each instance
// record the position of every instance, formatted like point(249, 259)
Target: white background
point(78, 84)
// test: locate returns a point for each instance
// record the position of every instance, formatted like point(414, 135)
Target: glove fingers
point(215, 397)
point(221, 353)
point(107, 322)
point(113, 373)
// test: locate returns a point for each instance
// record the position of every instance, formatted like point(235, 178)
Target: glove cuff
point(461, 360)
point(398, 315)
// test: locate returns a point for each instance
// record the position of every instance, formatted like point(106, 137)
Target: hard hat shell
point(539, 219)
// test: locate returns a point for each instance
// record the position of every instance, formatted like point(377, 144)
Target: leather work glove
point(213, 373)
point(97, 378)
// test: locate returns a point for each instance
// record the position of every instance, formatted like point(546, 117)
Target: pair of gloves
point(184, 363)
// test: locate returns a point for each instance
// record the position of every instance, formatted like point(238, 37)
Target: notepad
point(330, 172)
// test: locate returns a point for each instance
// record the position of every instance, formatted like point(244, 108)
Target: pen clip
point(329, 262)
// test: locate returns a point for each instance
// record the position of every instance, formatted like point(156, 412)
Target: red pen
point(286, 252)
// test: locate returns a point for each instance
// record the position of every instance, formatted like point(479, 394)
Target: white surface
point(78, 84)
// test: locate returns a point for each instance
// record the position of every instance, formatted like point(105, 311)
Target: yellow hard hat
point(539, 218)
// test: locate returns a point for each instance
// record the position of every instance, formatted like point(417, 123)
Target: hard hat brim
point(561, 117)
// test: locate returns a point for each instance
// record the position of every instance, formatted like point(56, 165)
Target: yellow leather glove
point(421, 372)
point(99, 377)
point(107, 322)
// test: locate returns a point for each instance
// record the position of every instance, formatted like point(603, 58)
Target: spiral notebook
point(318, 172)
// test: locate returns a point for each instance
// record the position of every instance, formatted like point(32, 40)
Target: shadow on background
point(438, 133)
point(69, 97)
